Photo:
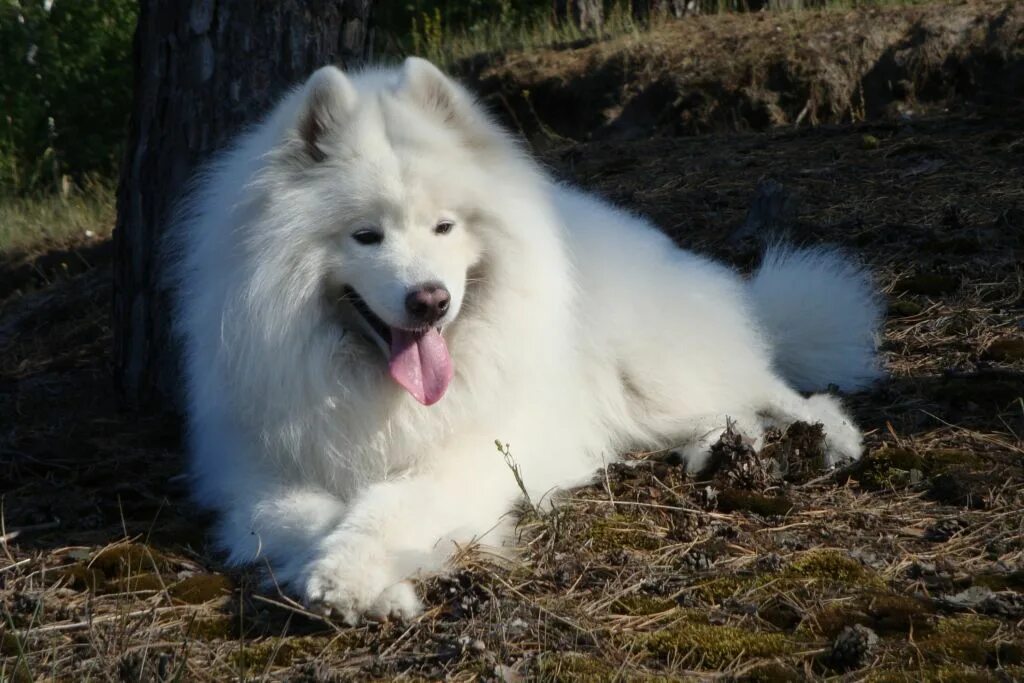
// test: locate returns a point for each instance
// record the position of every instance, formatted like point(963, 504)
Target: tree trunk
point(586, 15)
point(203, 69)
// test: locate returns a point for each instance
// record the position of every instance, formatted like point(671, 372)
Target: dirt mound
point(729, 72)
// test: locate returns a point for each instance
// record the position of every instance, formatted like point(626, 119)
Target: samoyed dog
point(377, 282)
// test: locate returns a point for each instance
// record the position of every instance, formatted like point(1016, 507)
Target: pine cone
point(852, 646)
point(770, 563)
point(945, 529)
point(695, 561)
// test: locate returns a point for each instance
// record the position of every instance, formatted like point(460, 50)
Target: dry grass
point(106, 572)
point(726, 72)
point(40, 223)
point(502, 29)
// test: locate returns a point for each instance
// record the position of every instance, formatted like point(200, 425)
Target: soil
point(906, 566)
point(755, 72)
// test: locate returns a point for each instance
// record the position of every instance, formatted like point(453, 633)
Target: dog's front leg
point(405, 527)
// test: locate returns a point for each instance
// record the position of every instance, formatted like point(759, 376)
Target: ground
point(909, 566)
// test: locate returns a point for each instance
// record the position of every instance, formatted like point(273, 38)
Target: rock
point(1006, 604)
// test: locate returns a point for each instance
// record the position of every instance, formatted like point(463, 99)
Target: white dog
point(376, 283)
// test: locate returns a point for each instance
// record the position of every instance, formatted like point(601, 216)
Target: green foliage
point(66, 89)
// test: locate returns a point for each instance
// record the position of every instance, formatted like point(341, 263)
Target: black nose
point(428, 303)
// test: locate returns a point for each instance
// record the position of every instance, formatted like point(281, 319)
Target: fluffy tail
point(821, 315)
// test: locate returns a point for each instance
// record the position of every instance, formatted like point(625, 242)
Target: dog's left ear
point(431, 89)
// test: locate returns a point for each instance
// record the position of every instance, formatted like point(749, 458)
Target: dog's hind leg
point(771, 403)
point(703, 432)
point(843, 440)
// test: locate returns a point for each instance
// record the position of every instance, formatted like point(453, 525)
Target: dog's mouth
point(418, 359)
point(379, 331)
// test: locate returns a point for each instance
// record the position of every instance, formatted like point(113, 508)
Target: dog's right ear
point(328, 100)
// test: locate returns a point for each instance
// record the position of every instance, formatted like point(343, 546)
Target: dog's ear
point(431, 89)
point(329, 99)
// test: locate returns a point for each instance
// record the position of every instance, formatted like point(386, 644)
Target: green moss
point(129, 559)
point(258, 655)
point(1001, 581)
point(901, 308)
point(221, 627)
point(869, 142)
point(133, 584)
point(960, 647)
point(935, 674)
point(830, 565)
point(125, 568)
point(827, 622)
point(887, 614)
point(771, 672)
point(713, 647)
point(718, 589)
point(11, 645)
point(642, 605)
point(620, 531)
point(781, 614)
point(200, 588)
point(887, 467)
point(1005, 350)
point(80, 576)
point(732, 500)
point(574, 666)
point(16, 671)
point(938, 460)
point(891, 614)
point(974, 624)
point(929, 284)
point(964, 639)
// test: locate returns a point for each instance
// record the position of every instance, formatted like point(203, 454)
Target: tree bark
point(203, 69)
point(586, 15)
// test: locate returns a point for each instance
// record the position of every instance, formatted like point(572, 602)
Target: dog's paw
point(352, 581)
point(843, 441)
point(398, 601)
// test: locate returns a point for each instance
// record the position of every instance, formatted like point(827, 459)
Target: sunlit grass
point(52, 220)
point(430, 37)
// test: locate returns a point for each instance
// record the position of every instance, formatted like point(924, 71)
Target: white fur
point(577, 331)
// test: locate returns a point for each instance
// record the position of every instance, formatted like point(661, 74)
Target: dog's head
point(392, 167)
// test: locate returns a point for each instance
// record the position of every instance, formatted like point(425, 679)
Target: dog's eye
point(368, 237)
point(444, 227)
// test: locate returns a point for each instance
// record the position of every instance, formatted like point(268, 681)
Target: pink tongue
point(421, 364)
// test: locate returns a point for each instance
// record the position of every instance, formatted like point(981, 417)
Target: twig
point(32, 528)
point(297, 610)
point(78, 625)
